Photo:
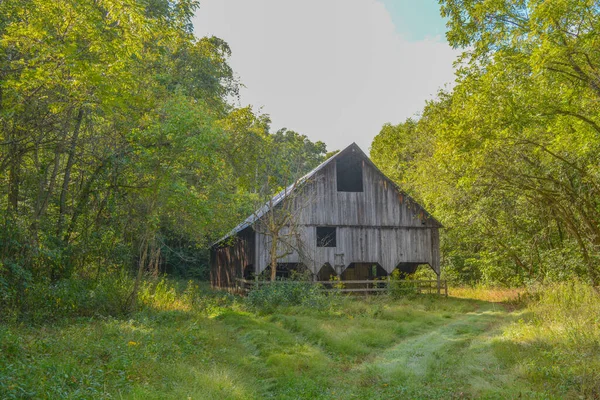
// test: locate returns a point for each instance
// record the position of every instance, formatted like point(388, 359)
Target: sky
point(333, 70)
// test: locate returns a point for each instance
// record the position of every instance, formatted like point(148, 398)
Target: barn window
point(326, 236)
point(349, 174)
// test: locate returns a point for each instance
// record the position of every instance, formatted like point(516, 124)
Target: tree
point(109, 133)
point(508, 159)
point(290, 156)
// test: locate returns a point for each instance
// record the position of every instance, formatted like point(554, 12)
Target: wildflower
point(132, 343)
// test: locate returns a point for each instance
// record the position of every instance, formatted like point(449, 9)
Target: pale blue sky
point(416, 19)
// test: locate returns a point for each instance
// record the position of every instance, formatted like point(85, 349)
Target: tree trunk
point(273, 257)
point(68, 168)
point(14, 176)
point(132, 300)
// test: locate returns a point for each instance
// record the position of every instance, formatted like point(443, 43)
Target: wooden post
point(439, 287)
point(446, 287)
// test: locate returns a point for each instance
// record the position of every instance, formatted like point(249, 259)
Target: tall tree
point(509, 158)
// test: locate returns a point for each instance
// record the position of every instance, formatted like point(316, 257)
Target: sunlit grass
point(496, 295)
point(189, 342)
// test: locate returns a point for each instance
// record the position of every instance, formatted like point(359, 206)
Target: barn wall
point(227, 262)
point(386, 246)
point(380, 204)
point(377, 225)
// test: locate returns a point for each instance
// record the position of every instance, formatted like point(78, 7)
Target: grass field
point(473, 344)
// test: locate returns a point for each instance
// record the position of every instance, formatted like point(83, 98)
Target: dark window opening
point(326, 237)
point(349, 174)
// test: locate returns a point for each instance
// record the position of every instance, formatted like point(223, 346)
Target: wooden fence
point(362, 286)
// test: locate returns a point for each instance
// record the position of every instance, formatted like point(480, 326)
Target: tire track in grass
point(455, 360)
point(414, 356)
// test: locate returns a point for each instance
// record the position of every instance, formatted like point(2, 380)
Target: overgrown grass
point(187, 341)
point(557, 345)
point(491, 294)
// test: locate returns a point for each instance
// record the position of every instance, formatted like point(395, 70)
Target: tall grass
point(557, 343)
point(285, 341)
point(570, 311)
point(492, 294)
point(44, 302)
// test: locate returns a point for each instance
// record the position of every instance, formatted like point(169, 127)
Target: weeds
point(491, 294)
point(558, 343)
point(286, 341)
point(287, 293)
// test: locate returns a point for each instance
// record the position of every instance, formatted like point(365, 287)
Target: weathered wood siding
point(378, 225)
point(227, 262)
point(380, 204)
point(386, 246)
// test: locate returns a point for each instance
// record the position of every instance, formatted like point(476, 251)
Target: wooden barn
point(345, 218)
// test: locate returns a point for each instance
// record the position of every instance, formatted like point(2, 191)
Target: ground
point(374, 347)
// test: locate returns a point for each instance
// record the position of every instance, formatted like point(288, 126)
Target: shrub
point(401, 288)
point(43, 301)
point(287, 293)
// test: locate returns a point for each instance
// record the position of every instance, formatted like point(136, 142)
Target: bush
point(287, 293)
point(401, 288)
point(43, 301)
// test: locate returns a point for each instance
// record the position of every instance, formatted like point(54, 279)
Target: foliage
point(118, 147)
point(188, 341)
point(400, 287)
point(42, 301)
point(508, 159)
point(287, 292)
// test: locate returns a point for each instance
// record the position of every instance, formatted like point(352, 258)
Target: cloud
point(333, 70)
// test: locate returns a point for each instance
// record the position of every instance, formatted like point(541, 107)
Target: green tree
point(508, 160)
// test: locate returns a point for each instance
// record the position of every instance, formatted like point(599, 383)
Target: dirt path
point(455, 360)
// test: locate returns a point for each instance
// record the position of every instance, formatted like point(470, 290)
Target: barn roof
point(279, 197)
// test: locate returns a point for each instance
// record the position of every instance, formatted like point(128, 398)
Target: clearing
point(217, 347)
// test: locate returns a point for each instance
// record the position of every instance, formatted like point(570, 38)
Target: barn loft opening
point(326, 236)
point(349, 169)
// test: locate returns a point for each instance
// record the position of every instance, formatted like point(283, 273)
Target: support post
point(435, 256)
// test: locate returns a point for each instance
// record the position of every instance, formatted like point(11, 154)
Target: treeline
point(119, 148)
point(509, 159)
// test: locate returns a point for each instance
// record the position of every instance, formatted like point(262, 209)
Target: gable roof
point(279, 197)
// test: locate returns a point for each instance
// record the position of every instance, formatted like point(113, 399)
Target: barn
point(345, 219)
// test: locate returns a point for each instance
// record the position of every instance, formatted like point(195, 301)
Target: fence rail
point(360, 286)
